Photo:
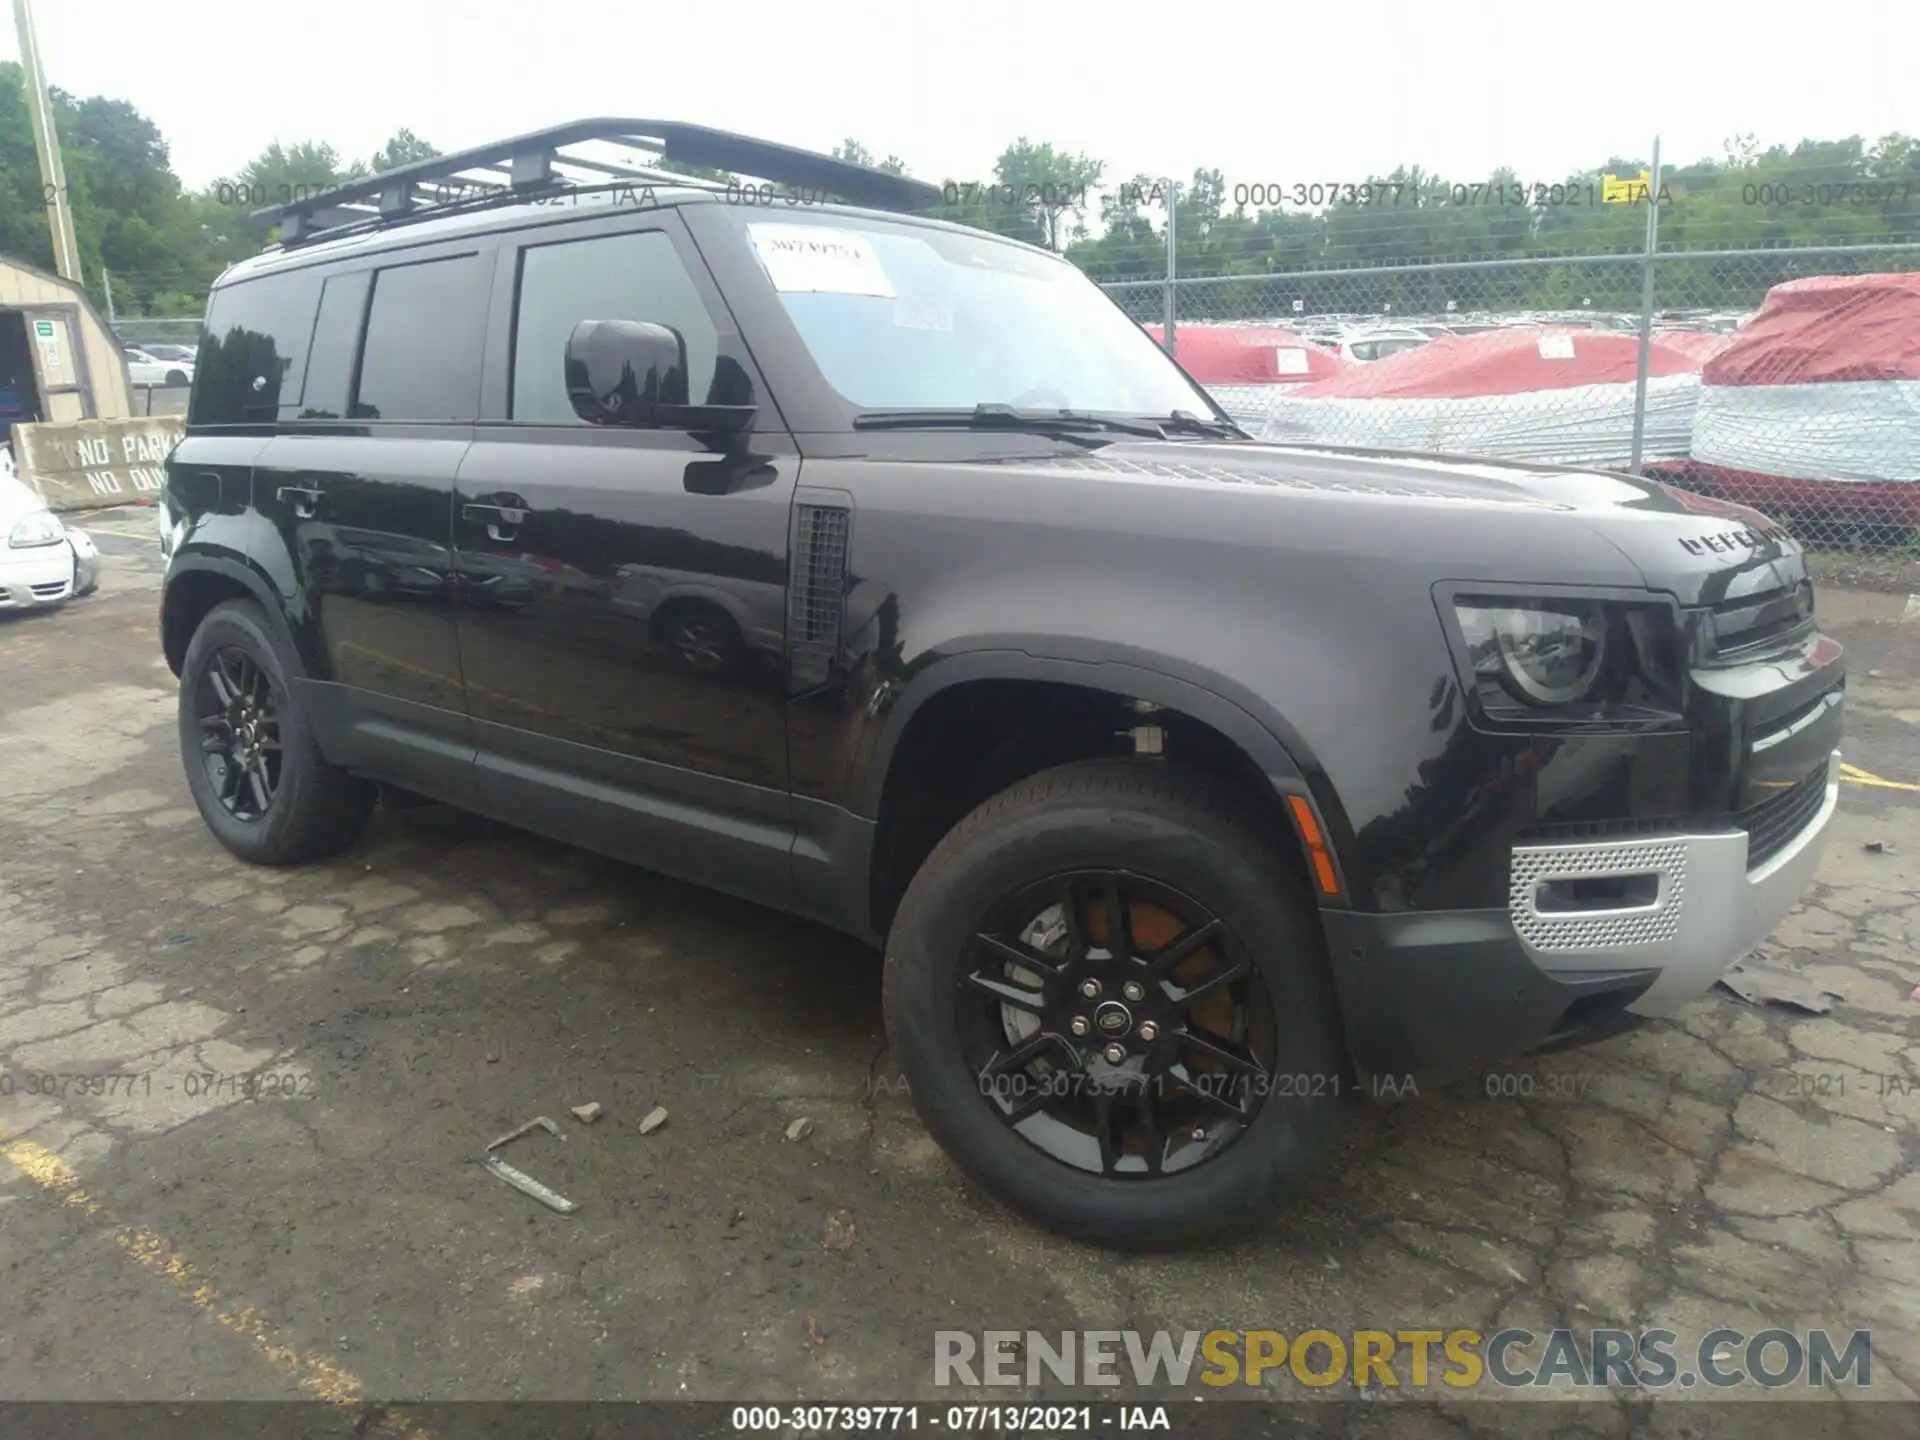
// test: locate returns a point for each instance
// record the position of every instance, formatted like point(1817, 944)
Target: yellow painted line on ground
point(1863, 777)
point(316, 1375)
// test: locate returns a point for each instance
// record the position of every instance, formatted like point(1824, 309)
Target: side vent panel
point(817, 589)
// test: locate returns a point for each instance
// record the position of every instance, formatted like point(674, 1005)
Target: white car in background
point(1365, 346)
point(145, 368)
point(43, 561)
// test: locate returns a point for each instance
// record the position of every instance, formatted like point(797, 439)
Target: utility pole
point(46, 141)
point(1647, 262)
point(106, 280)
point(1169, 306)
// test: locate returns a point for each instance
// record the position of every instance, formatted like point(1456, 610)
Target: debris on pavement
point(815, 1336)
point(1758, 983)
point(521, 1181)
point(800, 1129)
point(588, 1113)
point(1875, 847)
point(653, 1120)
point(839, 1232)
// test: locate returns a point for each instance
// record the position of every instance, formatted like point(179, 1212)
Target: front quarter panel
point(1307, 613)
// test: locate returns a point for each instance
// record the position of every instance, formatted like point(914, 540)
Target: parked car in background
point(176, 354)
point(43, 561)
point(1368, 345)
point(146, 368)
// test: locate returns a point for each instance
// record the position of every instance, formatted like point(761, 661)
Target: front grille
point(52, 590)
point(1756, 623)
point(1771, 825)
point(1774, 822)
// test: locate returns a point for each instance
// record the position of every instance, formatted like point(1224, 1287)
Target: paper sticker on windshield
point(810, 259)
point(921, 315)
point(1287, 361)
point(1556, 347)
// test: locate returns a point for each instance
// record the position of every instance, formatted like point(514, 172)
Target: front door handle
point(304, 500)
point(502, 521)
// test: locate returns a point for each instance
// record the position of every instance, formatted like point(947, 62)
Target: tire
point(315, 809)
point(176, 378)
point(1157, 825)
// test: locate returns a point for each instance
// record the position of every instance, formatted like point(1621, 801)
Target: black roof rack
point(584, 154)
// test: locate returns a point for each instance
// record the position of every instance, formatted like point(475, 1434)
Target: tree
point(854, 153)
point(404, 148)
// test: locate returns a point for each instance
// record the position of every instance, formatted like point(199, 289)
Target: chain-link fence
point(1785, 378)
point(1748, 329)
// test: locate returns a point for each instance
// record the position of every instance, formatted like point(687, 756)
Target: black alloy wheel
point(240, 732)
point(1130, 1060)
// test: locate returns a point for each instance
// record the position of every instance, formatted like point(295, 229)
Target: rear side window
point(336, 342)
point(426, 328)
point(636, 276)
point(253, 351)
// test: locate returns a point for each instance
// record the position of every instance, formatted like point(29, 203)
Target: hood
point(1703, 551)
point(16, 502)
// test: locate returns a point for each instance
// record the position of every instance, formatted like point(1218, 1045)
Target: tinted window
point(254, 348)
point(425, 331)
point(336, 341)
point(637, 276)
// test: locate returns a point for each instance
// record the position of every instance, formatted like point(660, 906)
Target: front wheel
point(255, 771)
point(1109, 993)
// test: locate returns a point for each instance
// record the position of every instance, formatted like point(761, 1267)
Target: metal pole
point(46, 142)
point(1168, 307)
point(1646, 312)
point(106, 280)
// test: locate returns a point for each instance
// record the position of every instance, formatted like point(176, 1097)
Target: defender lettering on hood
point(1729, 542)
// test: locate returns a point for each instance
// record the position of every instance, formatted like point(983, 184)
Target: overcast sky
point(1269, 91)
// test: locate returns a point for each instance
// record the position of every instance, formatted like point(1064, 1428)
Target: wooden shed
point(58, 358)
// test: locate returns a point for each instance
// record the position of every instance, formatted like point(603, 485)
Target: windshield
point(906, 316)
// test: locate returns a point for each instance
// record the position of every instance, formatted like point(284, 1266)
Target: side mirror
point(620, 372)
point(634, 373)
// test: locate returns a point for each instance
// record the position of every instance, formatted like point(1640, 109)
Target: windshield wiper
point(1069, 424)
point(1185, 422)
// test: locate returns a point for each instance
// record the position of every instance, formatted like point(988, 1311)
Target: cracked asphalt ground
point(333, 1235)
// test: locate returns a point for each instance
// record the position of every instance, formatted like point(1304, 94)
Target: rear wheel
point(257, 777)
point(1109, 994)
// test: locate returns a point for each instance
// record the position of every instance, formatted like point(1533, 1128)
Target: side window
point(336, 342)
point(636, 276)
point(253, 350)
point(425, 330)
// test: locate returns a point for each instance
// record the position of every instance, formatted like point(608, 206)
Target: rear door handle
point(304, 500)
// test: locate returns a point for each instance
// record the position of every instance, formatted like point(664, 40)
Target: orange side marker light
point(1323, 872)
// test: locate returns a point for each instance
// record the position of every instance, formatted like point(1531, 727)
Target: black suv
point(883, 571)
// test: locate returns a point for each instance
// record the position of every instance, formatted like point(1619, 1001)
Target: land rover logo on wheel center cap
point(1112, 1018)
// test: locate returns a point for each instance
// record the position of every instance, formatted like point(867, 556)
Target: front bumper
point(1431, 994)
point(36, 577)
point(1710, 906)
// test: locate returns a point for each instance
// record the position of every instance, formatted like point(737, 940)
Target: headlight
point(1553, 660)
point(1546, 655)
point(42, 527)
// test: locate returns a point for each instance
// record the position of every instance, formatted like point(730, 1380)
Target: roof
point(1826, 329)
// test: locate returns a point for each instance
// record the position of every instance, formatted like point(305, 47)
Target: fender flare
point(1268, 741)
point(191, 562)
